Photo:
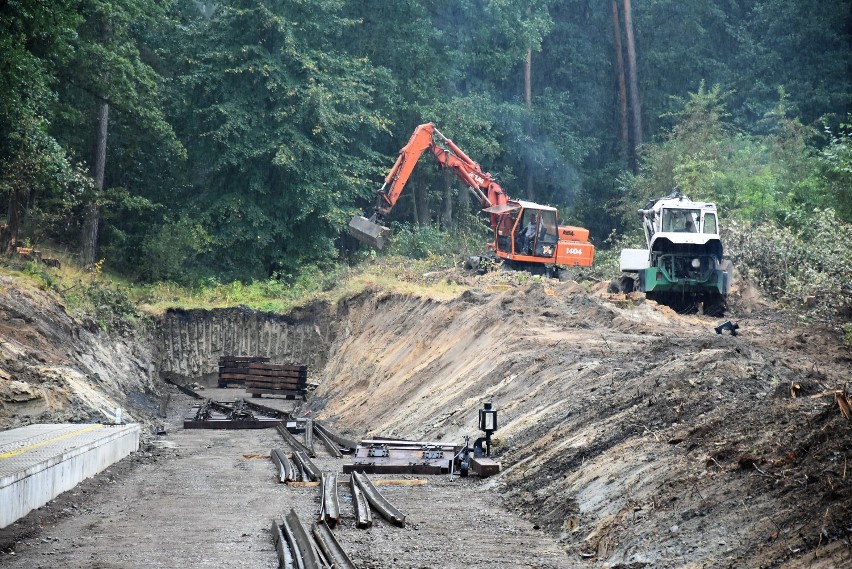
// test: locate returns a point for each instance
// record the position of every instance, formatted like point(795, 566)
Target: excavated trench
point(633, 436)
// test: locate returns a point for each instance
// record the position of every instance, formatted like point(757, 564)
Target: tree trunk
point(447, 202)
point(464, 202)
point(14, 219)
point(635, 108)
point(622, 85)
point(421, 195)
point(90, 224)
point(528, 102)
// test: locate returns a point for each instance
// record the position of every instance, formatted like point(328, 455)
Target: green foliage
point(836, 162)
point(40, 275)
point(608, 256)
point(752, 177)
point(170, 253)
point(420, 242)
point(279, 293)
point(806, 265)
point(243, 135)
point(278, 122)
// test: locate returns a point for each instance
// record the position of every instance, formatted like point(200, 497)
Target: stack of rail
point(233, 369)
point(275, 379)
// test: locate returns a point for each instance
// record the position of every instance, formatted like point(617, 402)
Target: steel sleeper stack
point(234, 369)
point(275, 379)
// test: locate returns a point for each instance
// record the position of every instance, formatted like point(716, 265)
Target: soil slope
point(635, 436)
point(639, 437)
point(57, 368)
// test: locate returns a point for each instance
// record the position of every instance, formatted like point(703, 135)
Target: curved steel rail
point(385, 508)
point(285, 558)
point(293, 545)
point(330, 509)
point(310, 469)
point(332, 447)
point(363, 517)
point(342, 441)
point(331, 547)
point(291, 440)
point(286, 473)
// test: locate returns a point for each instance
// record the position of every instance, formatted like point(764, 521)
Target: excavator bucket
point(368, 232)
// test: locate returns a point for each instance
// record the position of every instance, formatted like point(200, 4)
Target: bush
point(607, 258)
point(806, 264)
point(413, 242)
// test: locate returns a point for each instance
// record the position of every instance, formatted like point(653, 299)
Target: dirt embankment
point(639, 436)
point(56, 368)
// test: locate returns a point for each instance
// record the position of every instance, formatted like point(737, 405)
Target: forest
point(180, 140)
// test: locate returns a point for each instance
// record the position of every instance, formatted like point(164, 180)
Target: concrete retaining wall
point(49, 463)
point(191, 341)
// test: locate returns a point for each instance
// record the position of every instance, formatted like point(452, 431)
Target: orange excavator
point(526, 235)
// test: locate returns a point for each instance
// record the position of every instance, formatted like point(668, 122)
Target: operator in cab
point(529, 235)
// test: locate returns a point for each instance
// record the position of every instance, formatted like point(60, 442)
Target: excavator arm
point(448, 155)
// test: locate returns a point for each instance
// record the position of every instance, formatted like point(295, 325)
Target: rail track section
point(363, 517)
point(293, 442)
point(297, 550)
point(209, 414)
point(330, 503)
point(379, 502)
point(286, 471)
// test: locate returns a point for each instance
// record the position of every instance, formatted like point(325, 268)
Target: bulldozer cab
point(681, 220)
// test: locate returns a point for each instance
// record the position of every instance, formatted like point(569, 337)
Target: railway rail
point(363, 517)
point(297, 549)
point(286, 471)
point(330, 504)
point(328, 544)
point(379, 502)
point(293, 442)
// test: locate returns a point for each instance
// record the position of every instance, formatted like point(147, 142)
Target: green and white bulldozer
point(683, 266)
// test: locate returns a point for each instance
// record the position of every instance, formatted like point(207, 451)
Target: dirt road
point(205, 498)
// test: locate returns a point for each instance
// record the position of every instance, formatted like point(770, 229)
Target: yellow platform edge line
point(30, 447)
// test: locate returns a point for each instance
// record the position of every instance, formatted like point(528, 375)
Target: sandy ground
point(205, 498)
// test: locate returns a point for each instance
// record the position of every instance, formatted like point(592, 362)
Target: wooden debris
point(843, 403)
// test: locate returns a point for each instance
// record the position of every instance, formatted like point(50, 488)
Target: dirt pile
point(55, 368)
point(639, 436)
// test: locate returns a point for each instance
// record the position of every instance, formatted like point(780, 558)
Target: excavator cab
point(525, 229)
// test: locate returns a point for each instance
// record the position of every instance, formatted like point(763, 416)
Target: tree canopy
point(243, 135)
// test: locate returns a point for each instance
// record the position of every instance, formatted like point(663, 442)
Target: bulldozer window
point(710, 223)
point(681, 219)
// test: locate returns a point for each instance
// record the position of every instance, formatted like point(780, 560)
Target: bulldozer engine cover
point(368, 232)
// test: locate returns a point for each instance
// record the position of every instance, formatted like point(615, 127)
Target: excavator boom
point(526, 234)
point(448, 155)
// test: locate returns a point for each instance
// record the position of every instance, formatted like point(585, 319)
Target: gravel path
point(205, 498)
